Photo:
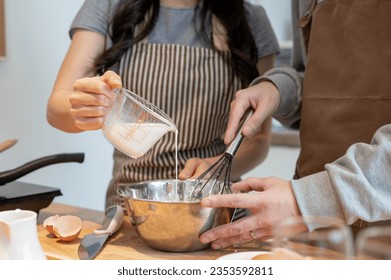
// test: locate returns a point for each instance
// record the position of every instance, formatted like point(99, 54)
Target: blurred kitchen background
point(37, 39)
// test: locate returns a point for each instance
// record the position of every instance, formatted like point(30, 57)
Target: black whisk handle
point(234, 146)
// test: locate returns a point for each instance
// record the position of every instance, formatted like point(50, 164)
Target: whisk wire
point(221, 166)
point(212, 176)
point(203, 175)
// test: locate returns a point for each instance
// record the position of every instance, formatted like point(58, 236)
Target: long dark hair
point(229, 12)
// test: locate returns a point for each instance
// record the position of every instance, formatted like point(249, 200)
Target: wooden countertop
point(124, 245)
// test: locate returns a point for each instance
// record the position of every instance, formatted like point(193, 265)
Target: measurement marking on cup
point(141, 137)
point(130, 131)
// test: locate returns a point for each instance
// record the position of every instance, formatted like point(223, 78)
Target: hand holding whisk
point(209, 182)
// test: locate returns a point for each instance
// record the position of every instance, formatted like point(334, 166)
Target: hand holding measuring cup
point(134, 125)
point(91, 100)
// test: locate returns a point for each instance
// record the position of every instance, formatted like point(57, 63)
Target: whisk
point(209, 182)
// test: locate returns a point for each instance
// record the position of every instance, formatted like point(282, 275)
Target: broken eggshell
point(65, 228)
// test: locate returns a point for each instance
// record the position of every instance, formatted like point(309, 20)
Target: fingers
point(246, 237)
point(263, 98)
point(189, 169)
point(79, 99)
point(89, 123)
point(235, 229)
point(261, 234)
point(236, 233)
point(254, 124)
point(238, 108)
point(244, 200)
point(101, 85)
point(92, 85)
point(244, 100)
point(254, 184)
point(264, 198)
point(89, 109)
point(240, 200)
point(194, 168)
point(92, 99)
point(89, 117)
point(89, 112)
point(112, 79)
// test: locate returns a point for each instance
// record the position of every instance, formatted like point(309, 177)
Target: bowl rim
point(135, 184)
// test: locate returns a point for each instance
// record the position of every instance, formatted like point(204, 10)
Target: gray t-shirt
point(175, 26)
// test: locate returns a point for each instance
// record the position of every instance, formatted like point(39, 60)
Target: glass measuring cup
point(134, 125)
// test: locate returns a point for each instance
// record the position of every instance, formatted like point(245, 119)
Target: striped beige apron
point(195, 87)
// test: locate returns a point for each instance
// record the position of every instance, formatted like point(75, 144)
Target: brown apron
point(347, 85)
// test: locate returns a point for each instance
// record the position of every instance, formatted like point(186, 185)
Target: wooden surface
point(124, 245)
point(5, 145)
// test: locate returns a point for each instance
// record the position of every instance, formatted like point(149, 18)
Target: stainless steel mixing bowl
point(165, 218)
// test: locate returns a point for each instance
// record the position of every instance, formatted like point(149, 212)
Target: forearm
point(78, 63)
point(356, 186)
point(289, 84)
point(289, 80)
point(254, 150)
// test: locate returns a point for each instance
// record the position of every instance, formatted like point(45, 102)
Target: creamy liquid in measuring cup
point(135, 139)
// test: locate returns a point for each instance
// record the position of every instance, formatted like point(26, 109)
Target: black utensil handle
point(13, 174)
point(234, 146)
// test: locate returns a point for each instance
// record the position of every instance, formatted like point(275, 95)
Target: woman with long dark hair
point(187, 57)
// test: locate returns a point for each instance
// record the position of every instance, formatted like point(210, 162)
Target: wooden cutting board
point(124, 245)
